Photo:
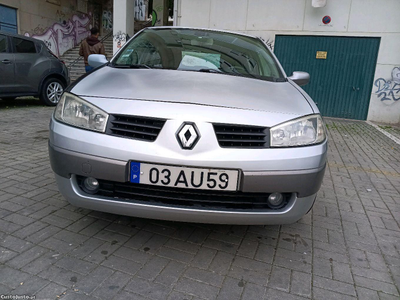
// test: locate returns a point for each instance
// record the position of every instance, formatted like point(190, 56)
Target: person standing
point(91, 45)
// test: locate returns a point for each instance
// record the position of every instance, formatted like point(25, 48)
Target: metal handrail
point(81, 57)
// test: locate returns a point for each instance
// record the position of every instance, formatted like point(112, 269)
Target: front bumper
point(296, 209)
point(303, 184)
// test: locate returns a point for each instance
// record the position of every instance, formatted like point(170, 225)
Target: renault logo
point(188, 135)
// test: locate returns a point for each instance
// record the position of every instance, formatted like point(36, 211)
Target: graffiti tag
point(120, 38)
point(269, 43)
point(389, 90)
point(107, 20)
point(60, 16)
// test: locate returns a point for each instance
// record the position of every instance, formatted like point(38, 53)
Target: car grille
point(241, 136)
point(134, 127)
point(189, 198)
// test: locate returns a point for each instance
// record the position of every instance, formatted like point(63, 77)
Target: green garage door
point(341, 69)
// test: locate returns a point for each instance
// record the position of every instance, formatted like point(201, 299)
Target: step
point(77, 66)
point(76, 52)
point(77, 59)
point(80, 69)
point(74, 57)
point(70, 55)
point(73, 54)
point(74, 61)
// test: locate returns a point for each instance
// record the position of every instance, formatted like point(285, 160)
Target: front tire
point(51, 92)
point(8, 99)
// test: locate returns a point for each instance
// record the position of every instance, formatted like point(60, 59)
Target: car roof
point(20, 36)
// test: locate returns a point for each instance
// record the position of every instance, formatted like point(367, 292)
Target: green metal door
point(342, 72)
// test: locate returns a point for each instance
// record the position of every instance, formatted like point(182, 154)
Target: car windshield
point(200, 50)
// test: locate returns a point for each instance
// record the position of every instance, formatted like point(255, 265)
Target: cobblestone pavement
point(348, 247)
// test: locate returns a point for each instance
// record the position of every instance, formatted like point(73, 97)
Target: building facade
point(351, 48)
point(61, 24)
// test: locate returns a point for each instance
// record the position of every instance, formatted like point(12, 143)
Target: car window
point(200, 50)
point(3, 43)
point(141, 52)
point(24, 46)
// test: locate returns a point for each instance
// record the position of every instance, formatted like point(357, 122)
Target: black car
point(29, 68)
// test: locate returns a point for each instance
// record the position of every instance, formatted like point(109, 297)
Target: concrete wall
point(61, 24)
point(124, 25)
point(266, 18)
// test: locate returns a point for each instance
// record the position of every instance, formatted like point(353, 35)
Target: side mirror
point(301, 78)
point(97, 60)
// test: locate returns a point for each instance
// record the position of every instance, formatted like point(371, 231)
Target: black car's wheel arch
point(52, 75)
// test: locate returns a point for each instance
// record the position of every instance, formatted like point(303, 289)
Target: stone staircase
point(77, 67)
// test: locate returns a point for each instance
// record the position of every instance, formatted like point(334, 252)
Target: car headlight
point(77, 112)
point(300, 132)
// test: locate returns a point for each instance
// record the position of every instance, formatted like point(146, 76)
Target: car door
point(7, 76)
point(26, 59)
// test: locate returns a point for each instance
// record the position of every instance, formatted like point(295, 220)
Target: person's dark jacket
point(91, 45)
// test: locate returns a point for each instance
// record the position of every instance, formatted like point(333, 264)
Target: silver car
point(190, 125)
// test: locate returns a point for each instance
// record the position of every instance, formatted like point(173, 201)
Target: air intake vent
point(242, 136)
point(134, 127)
point(187, 198)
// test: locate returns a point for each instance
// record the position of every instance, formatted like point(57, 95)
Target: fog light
point(91, 185)
point(275, 200)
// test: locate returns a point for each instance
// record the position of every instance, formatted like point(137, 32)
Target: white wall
point(266, 18)
point(124, 11)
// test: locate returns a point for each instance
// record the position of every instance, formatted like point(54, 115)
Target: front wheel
point(51, 91)
point(8, 99)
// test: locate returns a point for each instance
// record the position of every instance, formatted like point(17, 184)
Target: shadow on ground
point(21, 102)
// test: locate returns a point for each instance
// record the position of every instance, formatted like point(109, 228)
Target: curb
point(392, 137)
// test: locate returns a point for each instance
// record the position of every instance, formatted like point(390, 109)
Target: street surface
point(348, 247)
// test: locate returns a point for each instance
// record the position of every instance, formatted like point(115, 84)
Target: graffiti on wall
point(140, 10)
point(39, 29)
point(107, 20)
point(96, 14)
point(120, 38)
point(60, 16)
point(388, 90)
point(61, 37)
point(269, 43)
point(157, 15)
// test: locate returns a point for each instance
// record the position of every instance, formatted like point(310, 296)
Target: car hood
point(194, 88)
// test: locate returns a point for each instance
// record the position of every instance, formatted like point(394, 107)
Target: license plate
point(184, 177)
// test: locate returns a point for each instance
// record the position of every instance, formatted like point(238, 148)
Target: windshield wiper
point(246, 75)
point(133, 66)
point(209, 70)
point(249, 75)
point(235, 73)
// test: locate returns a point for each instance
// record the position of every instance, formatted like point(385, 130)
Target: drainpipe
point(175, 13)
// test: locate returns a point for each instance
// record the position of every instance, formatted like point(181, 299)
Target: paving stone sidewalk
point(348, 247)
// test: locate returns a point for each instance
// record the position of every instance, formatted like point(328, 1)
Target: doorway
point(341, 70)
